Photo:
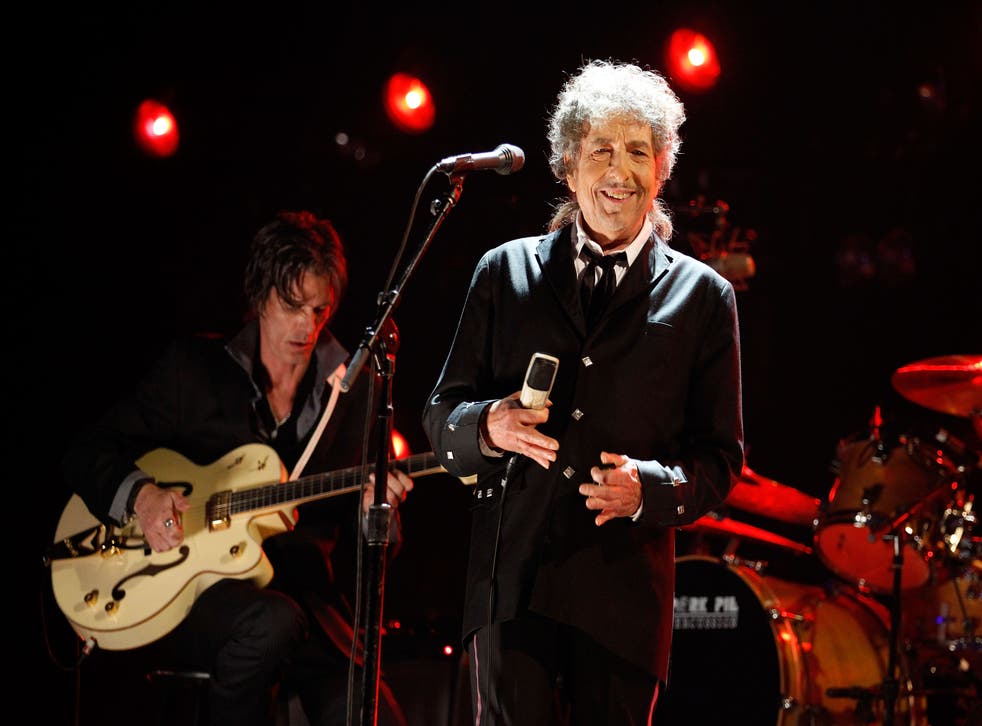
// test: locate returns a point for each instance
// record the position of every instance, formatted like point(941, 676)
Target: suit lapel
point(555, 253)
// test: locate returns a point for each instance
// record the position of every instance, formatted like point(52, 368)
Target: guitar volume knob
point(91, 598)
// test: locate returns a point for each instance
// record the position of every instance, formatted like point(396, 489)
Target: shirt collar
point(633, 250)
point(244, 346)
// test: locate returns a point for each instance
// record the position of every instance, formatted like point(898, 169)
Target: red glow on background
point(692, 60)
point(400, 447)
point(408, 103)
point(448, 650)
point(155, 129)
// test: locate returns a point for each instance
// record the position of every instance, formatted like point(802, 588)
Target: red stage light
point(400, 447)
point(691, 60)
point(155, 129)
point(408, 103)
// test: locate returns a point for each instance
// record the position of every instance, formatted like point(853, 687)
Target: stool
point(183, 696)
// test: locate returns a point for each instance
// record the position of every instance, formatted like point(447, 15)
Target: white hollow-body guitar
point(115, 590)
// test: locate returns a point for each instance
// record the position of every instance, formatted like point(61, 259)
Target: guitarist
point(270, 383)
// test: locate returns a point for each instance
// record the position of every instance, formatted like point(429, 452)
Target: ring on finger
point(168, 523)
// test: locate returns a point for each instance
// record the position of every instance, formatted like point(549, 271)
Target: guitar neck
point(320, 486)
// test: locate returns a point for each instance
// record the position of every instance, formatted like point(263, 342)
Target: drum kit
point(896, 635)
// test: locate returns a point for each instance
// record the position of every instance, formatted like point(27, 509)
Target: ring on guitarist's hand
point(168, 523)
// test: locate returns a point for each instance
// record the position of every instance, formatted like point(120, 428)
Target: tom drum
point(876, 490)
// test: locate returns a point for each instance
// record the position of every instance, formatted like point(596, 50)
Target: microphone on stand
point(504, 160)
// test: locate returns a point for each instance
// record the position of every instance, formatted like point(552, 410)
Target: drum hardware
point(890, 683)
point(954, 455)
point(958, 520)
point(864, 517)
point(729, 555)
point(888, 691)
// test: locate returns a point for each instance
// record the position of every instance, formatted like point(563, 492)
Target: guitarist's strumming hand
point(159, 513)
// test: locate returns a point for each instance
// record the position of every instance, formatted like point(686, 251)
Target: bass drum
point(752, 649)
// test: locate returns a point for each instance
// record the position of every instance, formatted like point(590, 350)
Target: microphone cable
point(509, 470)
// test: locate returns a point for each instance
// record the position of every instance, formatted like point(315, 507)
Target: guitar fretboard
point(320, 486)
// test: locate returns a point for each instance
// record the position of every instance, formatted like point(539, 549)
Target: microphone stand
point(379, 514)
point(440, 208)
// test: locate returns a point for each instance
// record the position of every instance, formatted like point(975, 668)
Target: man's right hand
point(511, 427)
point(156, 508)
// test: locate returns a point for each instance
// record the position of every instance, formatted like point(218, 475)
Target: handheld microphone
point(539, 377)
point(504, 160)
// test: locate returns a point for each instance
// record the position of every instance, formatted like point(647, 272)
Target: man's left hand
point(616, 488)
point(397, 489)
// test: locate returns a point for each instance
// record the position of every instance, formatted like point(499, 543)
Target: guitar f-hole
point(149, 571)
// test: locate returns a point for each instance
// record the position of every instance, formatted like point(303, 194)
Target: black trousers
point(244, 636)
point(533, 671)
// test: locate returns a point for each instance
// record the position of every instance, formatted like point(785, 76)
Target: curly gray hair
point(604, 90)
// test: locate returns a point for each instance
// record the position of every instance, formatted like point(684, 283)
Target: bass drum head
point(726, 666)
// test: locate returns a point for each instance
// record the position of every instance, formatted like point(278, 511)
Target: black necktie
point(594, 297)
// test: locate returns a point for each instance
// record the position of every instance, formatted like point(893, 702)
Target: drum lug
point(788, 703)
point(756, 565)
point(776, 614)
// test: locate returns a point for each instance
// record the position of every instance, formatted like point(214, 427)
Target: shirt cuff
point(120, 509)
point(482, 440)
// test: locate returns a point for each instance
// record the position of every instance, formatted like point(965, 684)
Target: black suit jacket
point(658, 380)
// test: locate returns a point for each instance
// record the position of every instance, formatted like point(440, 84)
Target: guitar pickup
point(217, 510)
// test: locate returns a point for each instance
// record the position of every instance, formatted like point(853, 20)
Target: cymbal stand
point(889, 689)
point(890, 683)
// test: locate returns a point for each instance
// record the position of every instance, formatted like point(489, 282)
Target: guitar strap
point(335, 380)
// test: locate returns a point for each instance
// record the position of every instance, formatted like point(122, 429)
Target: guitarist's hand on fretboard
point(397, 489)
point(158, 511)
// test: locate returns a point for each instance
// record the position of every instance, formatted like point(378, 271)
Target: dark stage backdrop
point(857, 190)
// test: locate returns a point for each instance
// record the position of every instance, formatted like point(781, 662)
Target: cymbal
point(724, 525)
point(760, 495)
point(949, 384)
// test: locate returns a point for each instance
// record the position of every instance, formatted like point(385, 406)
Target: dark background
point(817, 136)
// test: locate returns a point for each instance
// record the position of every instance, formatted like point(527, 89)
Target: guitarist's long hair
point(284, 250)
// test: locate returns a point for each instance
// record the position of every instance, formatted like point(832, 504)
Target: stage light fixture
point(155, 129)
point(692, 60)
point(408, 103)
